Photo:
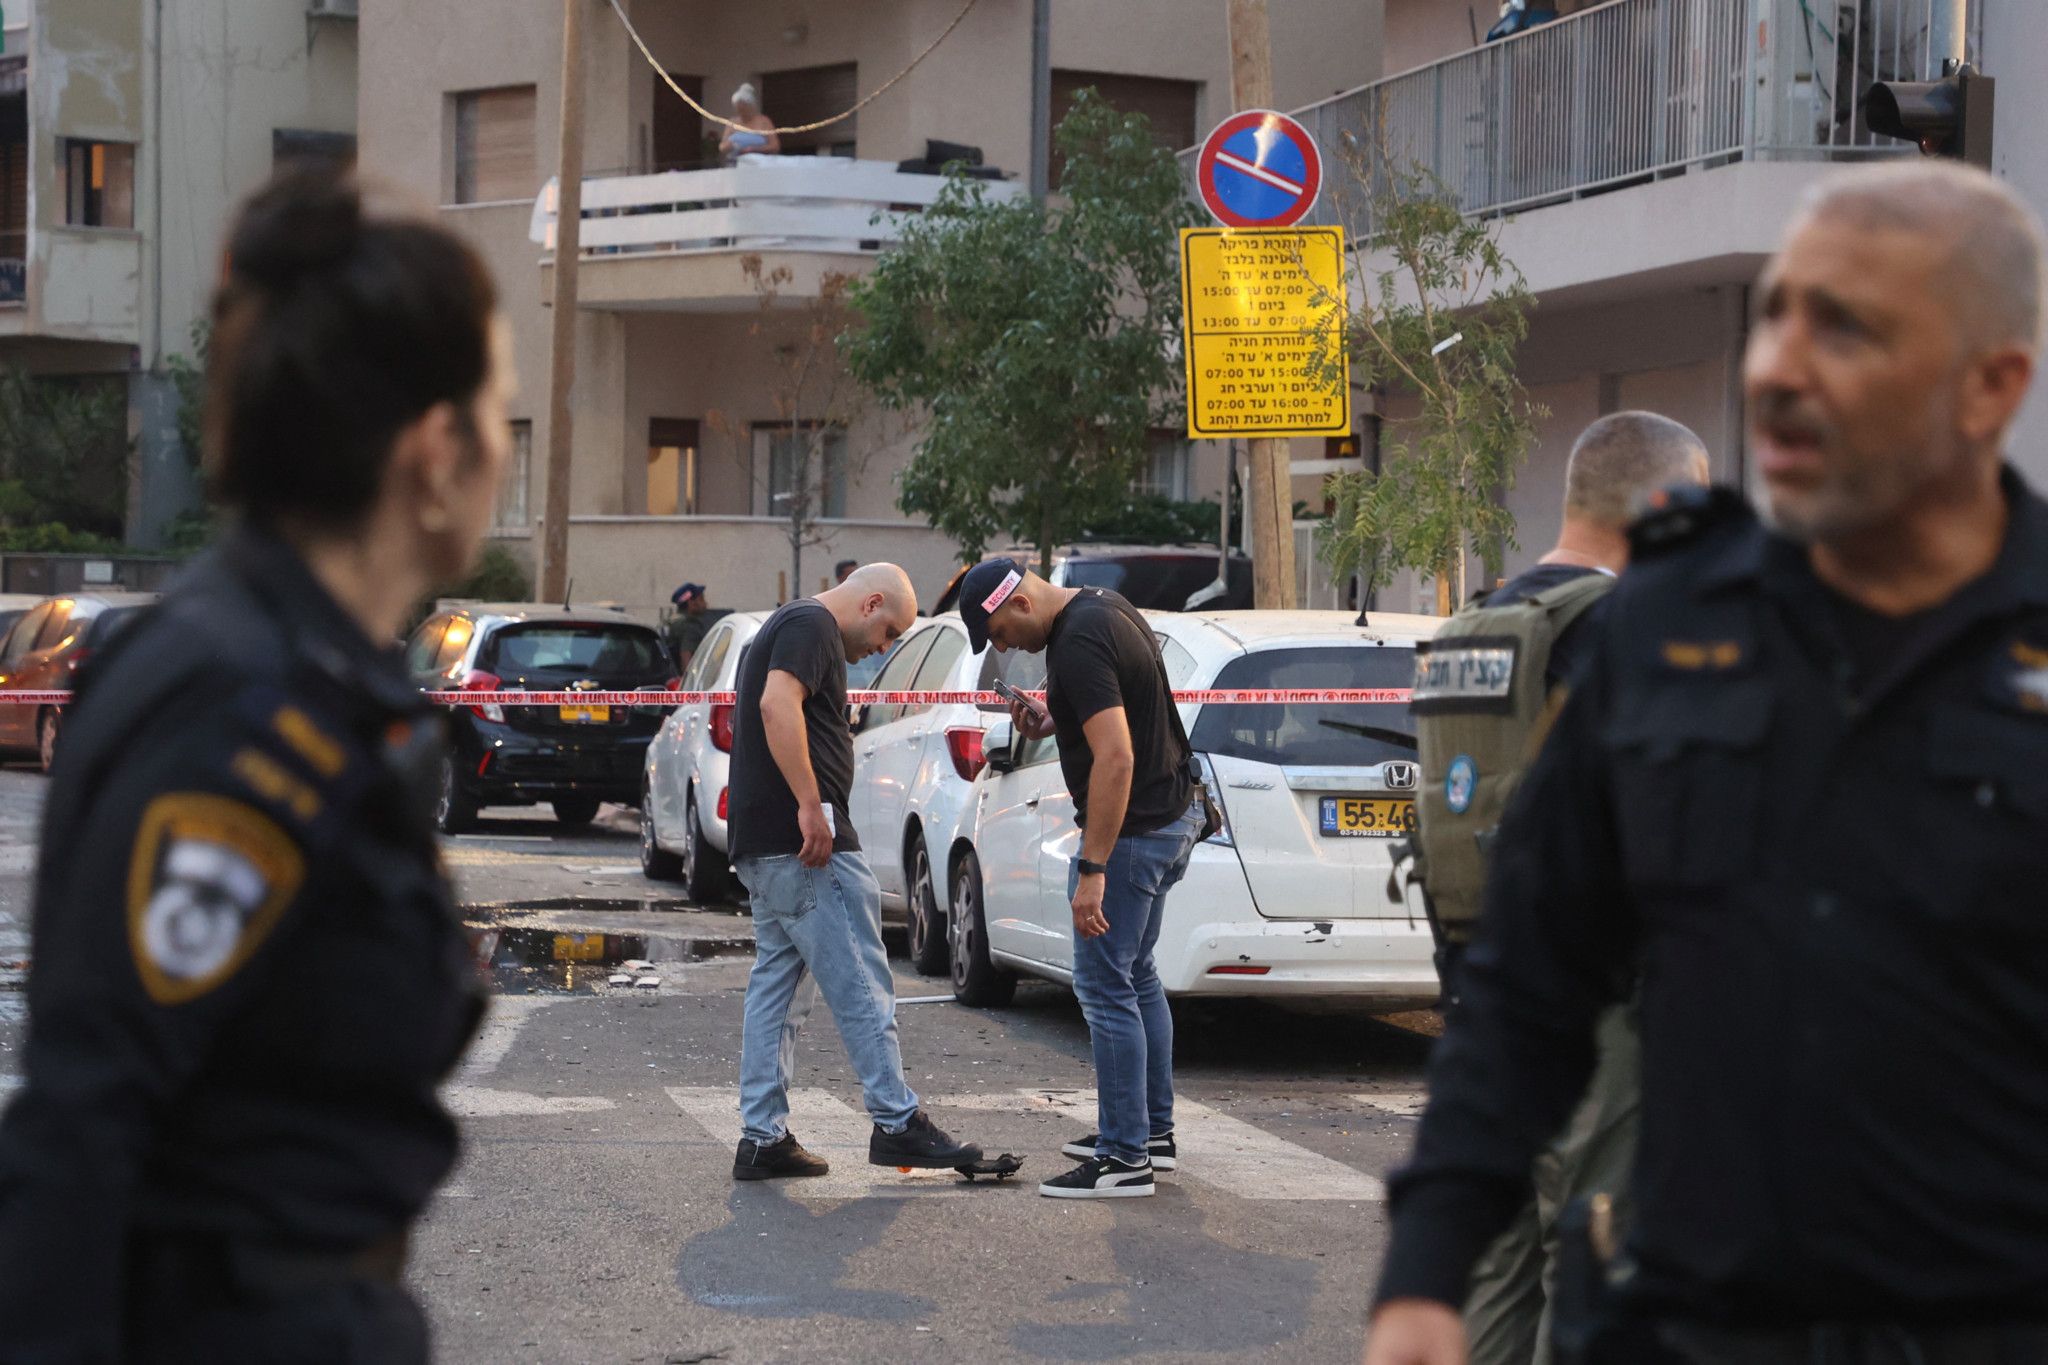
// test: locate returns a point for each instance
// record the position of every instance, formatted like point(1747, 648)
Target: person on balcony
point(753, 131)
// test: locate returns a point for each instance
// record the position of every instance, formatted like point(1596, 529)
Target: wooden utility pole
point(554, 554)
point(1269, 510)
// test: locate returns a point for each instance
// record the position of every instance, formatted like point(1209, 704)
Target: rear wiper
point(1400, 738)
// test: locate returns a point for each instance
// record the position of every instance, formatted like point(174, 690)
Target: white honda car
point(683, 805)
point(913, 777)
point(1292, 897)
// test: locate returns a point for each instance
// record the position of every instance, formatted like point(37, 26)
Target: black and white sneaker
point(1165, 1155)
point(1101, 1177)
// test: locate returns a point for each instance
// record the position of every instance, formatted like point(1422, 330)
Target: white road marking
point(1215, 1149)
point(13, 1008)
point(827, 1127)
point(16, 859)
point(480, 1102)
point(1408, 1104)
point(508, 1014)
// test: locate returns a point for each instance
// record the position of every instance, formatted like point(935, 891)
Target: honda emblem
point(1401, 777)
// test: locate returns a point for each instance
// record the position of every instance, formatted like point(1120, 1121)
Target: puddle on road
point(541, 961)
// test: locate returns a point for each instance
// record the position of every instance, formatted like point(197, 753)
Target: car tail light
point(963, 742)
point(1239, 970)
point(484, 682)
point(483, 765)
point(1224, 836)
point(723, 793)
point(721, 726)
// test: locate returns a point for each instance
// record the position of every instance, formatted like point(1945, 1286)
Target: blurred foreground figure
point(248, 972)
point(1800, 791)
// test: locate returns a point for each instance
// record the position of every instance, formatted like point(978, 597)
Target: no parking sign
point(1259, 169)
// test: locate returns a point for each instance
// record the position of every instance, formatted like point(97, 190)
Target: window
point(560, 652)
point(24, 633)
point(807, 95)
point(55, 625)
point(494, 145)
point(1165, 471)
point(932, 674)
point(714, 671)
point(99, 183)
point(1170, 106)
point(677, 130)
point(419, 652)
point(1309, 734)
point(792, 463)
point(460, 632)
point(702, 669)
point(518, 474)
point(306, 146)
point(896, 675)
point(671, 467)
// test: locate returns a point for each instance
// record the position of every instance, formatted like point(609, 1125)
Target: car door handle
point(868, 752)
point(1033, 802)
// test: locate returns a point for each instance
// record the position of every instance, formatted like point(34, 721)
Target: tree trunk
point(1045, 528)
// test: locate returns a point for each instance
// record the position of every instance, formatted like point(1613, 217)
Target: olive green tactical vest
point(1479, 694)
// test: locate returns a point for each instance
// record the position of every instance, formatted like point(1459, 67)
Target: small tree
point(64, 450)
point(815, 400)
point(1442, 326)
point(188, 377)
point(1036, 341)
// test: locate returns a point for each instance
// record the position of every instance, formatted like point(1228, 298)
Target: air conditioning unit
point(331, 9)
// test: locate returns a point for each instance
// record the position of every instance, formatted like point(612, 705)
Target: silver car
point(683, 802)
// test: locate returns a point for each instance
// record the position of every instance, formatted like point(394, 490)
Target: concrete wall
point(2015, 36)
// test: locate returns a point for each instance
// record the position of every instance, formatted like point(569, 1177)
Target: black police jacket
point(1832, 889)
point(248, 975)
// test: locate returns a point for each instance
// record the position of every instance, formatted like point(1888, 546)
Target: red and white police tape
point(1226, 696)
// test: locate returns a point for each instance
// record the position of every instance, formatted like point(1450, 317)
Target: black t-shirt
point(802, 640)
point(1100, 655)
point(1872, 638)
point(1564, 650)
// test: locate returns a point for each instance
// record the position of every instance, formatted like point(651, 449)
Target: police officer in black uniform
point(1801, 786)
point(248, 973)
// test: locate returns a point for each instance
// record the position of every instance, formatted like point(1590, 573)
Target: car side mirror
point(998, 747)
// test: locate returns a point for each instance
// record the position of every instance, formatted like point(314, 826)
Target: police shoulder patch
point(207, 881)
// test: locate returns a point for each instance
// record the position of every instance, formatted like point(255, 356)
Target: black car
point(573, 757)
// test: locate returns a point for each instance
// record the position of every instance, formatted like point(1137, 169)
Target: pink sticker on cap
point(1002, 592)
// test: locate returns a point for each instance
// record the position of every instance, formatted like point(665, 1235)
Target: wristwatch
point(1089, 869)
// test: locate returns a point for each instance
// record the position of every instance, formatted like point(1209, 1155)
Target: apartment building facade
point(681, 420)
point(128, 130)
point(1642, 157)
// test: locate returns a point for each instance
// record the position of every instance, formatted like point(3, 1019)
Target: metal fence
point(1626, 92)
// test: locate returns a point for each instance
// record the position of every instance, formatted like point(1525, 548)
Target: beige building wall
point(634, 365)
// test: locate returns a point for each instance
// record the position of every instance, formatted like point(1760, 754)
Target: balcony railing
point(821, 204)
point(1630, 91)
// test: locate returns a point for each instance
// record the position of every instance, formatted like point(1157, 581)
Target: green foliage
point(1446, 471)
point(55, 538)
point(64, 451)
point(1034, 339)
point(188, 376)
point(497, 577)
point(189, 531)
point(1148, 519)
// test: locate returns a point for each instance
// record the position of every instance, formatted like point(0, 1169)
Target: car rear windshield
point(111, 622)
point(604, 652)
point(1310, 735)
point(1162, 582)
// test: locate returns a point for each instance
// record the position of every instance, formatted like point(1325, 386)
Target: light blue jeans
point(817, 929)
point(1129, 1025)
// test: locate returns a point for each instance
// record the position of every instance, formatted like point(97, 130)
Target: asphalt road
point(593, 1217)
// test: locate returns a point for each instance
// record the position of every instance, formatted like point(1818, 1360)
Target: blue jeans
point(1128, 1022)
point(817, 929)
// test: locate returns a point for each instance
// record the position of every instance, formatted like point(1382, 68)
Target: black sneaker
point(1165, 1155)
point(1101, 1177)
point(786, 1157)
point(922, 1143)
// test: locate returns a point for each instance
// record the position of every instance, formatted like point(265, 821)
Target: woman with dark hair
point(249, 976)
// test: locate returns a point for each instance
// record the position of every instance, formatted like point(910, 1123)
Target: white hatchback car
point(1292, 897)
point(683, 804)
point(913, 776)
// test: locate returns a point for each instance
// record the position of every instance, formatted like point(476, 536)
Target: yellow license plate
point(1368, 817)
point(587, 715)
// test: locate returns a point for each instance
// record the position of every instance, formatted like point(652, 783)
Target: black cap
point(983, 588)
point(686, 592)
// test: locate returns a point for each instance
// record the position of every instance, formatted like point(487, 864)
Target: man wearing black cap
point(1127, 763)
point(692, 621)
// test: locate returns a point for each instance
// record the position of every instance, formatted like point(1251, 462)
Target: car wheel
point(47, 725)
point(577, 811)
point(976, 980)
point(703, 866)
point(455, 812)
point(929, 950)
point(656, 862)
